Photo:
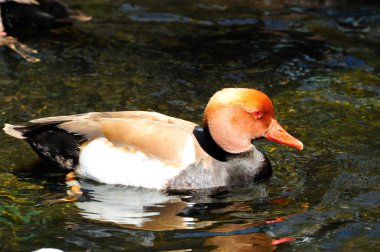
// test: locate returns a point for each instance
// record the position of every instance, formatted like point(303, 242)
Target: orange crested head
point(236, 116)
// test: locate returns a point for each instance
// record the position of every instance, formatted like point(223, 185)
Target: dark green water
point(319, 63)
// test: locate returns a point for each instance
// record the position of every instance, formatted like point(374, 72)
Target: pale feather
point(12, 131)
point(162, 137)
point(100, 160)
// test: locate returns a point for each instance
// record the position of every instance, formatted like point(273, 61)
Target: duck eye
point(258, 113)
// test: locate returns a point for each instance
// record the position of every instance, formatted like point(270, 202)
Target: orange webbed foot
point(73, 192)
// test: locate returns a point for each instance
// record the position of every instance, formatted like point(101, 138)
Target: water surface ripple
point(320, 64)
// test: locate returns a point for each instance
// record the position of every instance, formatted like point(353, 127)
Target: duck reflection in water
point(136, 207)
point(152, 210)
point(35, 14)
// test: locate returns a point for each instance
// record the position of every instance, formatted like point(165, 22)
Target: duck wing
point(61, 138)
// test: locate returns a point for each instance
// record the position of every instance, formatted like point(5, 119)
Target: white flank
point(100, 160)
point(188, 153)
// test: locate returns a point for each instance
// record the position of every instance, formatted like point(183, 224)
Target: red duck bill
point(278, 134)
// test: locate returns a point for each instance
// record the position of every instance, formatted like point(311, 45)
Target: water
point(319, 63)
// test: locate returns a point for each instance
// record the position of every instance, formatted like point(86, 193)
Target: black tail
point(51, 143)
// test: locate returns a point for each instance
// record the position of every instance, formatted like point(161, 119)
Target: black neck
point(205, 140)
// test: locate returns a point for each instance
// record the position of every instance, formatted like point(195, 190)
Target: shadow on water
point(319, 62)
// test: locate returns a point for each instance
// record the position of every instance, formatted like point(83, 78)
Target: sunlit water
point(319, 63)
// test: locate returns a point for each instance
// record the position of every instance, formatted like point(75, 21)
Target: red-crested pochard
point(152, 150)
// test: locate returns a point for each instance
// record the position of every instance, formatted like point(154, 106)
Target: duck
point(35, 14)
point(152, 150)
point(2, 30)
point(39, 14)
